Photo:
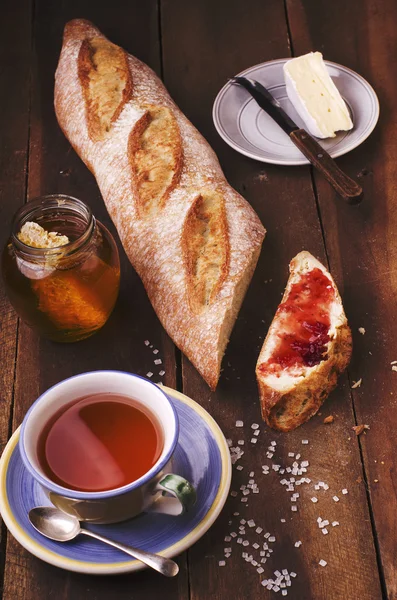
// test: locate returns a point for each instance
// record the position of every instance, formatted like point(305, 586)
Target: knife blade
point(318, 157)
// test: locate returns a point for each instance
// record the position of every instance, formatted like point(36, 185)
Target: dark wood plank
point(54, 167)
point(215, 42)
point(361, 241)
point(15, 48)
point(14, 118)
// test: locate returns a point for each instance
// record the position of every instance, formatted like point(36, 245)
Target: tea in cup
point(100, 445)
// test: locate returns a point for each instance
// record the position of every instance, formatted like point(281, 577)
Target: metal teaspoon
point(58, 526)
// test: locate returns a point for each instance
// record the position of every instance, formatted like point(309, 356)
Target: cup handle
point(184, 495)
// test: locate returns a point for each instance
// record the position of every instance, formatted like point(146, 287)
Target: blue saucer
point(201, 455)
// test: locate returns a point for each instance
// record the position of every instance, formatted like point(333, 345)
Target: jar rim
point(32, 207)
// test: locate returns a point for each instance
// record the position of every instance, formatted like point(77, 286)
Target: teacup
point(156, 491)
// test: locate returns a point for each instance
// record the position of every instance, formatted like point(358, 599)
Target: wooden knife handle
point(346, 187)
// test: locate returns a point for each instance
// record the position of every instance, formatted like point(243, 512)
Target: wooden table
point(195, 46)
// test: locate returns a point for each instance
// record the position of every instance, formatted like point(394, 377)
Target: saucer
point(201, 455)
point(249, 130)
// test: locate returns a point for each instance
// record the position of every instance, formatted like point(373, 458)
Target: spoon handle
point(163, 565)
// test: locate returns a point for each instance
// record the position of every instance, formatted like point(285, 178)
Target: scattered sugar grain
point(324, 530)
point(240, 442)
point(239, 423)
point(259, 530)
point(314, 499)
point(227, 538)
point(335, 523)
point(344, 491)
point(222, 563)
point(161, 373)
point(335, 498)
point(254, 440)
point(254, 426)
point(297, 544)
point(257, 432)
point(158, 361)
point(283, 520)
point(149, 374)
point(323, 563)
point(146, 342)
point(155, 351)
point(239, 467)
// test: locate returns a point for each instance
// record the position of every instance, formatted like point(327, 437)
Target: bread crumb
point(358, 429)
point(329, 419)
point(33, 235)
point(358, 383)
point(361, 330)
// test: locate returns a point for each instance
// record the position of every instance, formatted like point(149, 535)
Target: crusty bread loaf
point(308, 344)
point(193, 240)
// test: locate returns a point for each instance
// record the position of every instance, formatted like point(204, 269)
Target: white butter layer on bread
point(315, 96)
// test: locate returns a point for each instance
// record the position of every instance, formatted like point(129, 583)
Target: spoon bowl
point(54, 524)
point(58, 526)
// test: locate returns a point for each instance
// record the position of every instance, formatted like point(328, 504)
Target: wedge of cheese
point(315, 96)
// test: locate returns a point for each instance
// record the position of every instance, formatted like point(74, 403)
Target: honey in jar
point(61, 268)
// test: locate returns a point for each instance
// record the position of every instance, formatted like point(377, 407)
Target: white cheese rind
point(315, 97)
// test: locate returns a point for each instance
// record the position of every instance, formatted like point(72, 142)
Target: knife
point(319, 158)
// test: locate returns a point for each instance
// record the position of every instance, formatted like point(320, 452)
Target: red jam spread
point(304, 324)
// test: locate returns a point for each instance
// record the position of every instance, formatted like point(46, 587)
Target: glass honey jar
point(65, 292)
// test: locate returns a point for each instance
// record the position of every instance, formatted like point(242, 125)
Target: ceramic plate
point(202, 456)
point(249, 130)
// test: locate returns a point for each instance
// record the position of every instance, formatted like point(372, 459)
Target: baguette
point(193, 240)
point(308, 345)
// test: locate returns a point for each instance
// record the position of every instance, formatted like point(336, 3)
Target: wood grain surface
point(15, 48)
point(195, 47)
point(361, 243)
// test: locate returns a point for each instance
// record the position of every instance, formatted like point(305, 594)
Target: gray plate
point(249, 130)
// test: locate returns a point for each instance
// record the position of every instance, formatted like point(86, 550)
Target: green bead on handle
point(180, 488)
